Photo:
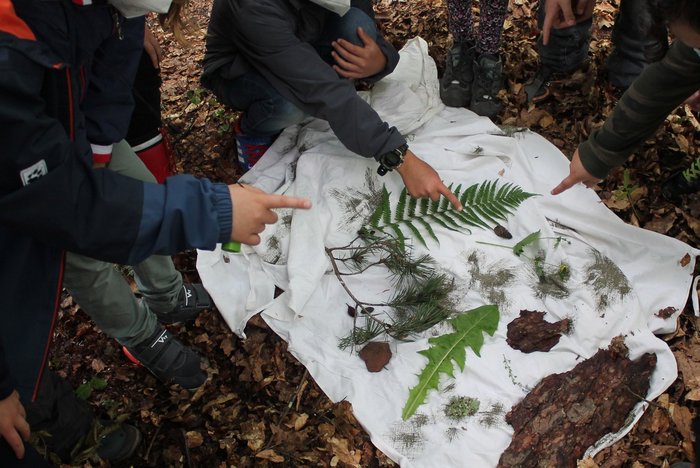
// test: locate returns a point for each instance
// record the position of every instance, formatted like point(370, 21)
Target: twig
point(153, 439)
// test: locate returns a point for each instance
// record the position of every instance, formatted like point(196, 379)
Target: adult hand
point(422, 181)
point(357, 62)
point(252, 210)
point(561, 14)
point(577, 173)
point(13, 424)
point(152, 48)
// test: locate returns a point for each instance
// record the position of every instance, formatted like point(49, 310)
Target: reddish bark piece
point(666, 312)
point(531, 332)
point(567, 413)
point(376, 355)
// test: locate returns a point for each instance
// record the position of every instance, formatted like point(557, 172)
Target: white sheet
point(311, 315)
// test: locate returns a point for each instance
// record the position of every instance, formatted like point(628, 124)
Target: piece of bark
point(567, 413)
point(376, 355)
point(531, 332)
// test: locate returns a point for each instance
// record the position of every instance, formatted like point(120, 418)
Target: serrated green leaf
point(469, 329)
point(519, 248)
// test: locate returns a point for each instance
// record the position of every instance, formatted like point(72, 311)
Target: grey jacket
point(274, 37)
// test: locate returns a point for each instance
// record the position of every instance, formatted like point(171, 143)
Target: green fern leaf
point(469, 329)
point(485, 205)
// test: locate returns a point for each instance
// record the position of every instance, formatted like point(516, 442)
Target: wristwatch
point(392, 160)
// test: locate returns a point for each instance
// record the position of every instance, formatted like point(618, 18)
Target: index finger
point(283, 201)
point(451, 197)
point(565, 184)
point(353, 49)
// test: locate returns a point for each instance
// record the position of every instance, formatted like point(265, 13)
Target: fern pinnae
point(445, 220)
point(412, 203)
point(401, 206)
point(484, 214)
point(386, 215)
point(416, 233)
point(437, 217)
point(400, 238)
point(428, 228)
point(383, 204)
point(474, 217)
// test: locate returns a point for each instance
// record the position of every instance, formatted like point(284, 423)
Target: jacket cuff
point(591, 162)
point(101, 154)
point(224, 211)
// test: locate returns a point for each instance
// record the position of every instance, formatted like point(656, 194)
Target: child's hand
point(13, 423)
point(577, 173)
point(252, 210)
point(422, 181)
point(355, 62)
point(561, 14)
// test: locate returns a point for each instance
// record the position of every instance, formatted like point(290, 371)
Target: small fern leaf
point(386, 207)
point(400, 237)
point(412, 203)
point(469, 329)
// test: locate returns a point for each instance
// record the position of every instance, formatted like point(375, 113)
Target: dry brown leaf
point(254, 433)
point(270, 455)
point(340, 448)
point(685, 260)
point(300, 421)
point(97, 365)
point(194, 439)
point(376, 355)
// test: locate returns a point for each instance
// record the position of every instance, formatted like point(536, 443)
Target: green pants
point(104, 294)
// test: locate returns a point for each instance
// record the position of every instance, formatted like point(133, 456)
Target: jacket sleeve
point(49, 190)
point(6, 383)
point(266, 34)
point(660, 88)
point(108, 102)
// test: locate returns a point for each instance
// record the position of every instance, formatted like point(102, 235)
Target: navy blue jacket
point(65, 81)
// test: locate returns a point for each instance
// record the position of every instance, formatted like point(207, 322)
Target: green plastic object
point(231, 247)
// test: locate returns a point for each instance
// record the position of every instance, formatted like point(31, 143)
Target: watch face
point(392, 159)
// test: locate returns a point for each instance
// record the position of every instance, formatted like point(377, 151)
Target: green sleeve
point(660, 88)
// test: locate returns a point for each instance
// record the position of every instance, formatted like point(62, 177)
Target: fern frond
point(485, 206)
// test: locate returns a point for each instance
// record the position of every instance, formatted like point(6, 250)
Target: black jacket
point(273, 37)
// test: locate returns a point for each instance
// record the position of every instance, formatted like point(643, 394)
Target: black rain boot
point(488, 81)
point(456, 83)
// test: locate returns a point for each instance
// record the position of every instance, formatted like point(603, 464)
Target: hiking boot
point(250, 148)
point(682, 183)
point(488, 81)
point(118, 444)
point(192, 300)
point(456, 83)
point(566, 87)
point(169, 360)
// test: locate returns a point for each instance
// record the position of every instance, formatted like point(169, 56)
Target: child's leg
point(459, 19)
point(493, 14)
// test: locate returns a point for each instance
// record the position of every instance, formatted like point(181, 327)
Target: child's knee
point(353, 19)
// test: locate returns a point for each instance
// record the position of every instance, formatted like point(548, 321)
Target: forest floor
point(260, 407)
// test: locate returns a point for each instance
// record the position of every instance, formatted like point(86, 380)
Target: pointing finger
point(283, 201)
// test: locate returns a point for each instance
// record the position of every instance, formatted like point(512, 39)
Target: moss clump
point(460, 407)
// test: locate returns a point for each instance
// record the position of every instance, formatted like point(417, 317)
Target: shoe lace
point(693, 172)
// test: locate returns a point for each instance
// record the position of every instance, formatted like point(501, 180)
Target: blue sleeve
point(109, 102)
point(50, 192)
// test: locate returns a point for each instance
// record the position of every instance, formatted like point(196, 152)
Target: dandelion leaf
point(469, 332)
point(519, 248)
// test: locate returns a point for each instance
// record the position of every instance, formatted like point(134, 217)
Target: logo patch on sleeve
point(34, 172)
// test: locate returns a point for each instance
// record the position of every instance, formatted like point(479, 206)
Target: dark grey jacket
point(660, 88)
point(274, 37)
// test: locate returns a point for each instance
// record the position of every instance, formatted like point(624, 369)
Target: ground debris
point(531, 332)
point(567, 413)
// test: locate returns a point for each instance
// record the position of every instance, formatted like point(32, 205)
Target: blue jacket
point(65, 82)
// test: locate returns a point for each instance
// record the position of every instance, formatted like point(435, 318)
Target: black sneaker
point(169, 360)
point(456, 83)
point(682, 183)
point(488, 81)
point(118, 443)
point(192, 300)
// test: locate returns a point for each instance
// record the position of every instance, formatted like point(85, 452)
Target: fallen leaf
point(270, 455)
point(194, 439)
point(376, 355)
